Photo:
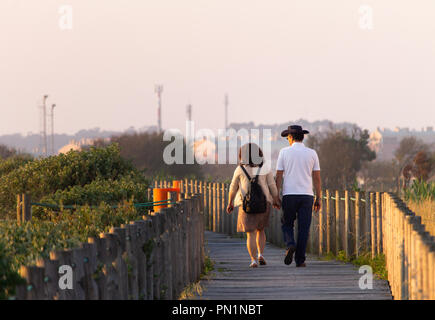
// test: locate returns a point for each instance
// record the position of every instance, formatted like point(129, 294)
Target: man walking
point(297, 169)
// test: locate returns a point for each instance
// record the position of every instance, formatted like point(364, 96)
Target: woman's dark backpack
point(254, 200)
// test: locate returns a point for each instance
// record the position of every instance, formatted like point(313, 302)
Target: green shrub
point(43, 177)
point(9, 278)
point(130, 187)
point(11, 164)
point(98, 182)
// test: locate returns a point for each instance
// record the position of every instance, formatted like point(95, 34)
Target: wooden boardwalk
point(324, 280)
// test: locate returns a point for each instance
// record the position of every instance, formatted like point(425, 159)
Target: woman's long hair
point(251, 154)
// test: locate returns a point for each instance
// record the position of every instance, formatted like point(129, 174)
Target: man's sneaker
point(289, 255)
point(301, 265)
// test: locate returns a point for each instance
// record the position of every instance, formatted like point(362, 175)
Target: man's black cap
point(293, 129)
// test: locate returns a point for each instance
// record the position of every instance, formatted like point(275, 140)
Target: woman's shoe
point(262, 261)
point(253, 264)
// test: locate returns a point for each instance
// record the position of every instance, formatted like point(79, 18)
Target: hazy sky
point(278, 60)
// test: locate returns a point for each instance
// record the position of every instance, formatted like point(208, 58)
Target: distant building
point(75, 145)
point(385, 141)
point(148, 129)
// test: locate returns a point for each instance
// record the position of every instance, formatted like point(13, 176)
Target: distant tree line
point(145, 151)
point(345, 156)
point(342, 154)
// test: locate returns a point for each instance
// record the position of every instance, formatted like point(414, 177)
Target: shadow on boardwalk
point(326, 280)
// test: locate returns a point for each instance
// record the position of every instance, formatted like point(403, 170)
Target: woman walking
point(251, 160)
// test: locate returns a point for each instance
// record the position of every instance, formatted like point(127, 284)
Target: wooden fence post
point(35, 282)
point(346, 224)
point(322, 228)
point(133, 283)
point(24, 208)
point(184, 244)
point(373, 224)
point(173, 233)
point(215, 220)
point(407, 253)
point(120, 261)
point(79, 272)
point(181, 245)
point(166, 274)
point(366, 222)
point(218, 208)
point(167, 266)
point(141, 258)
point(378, 223)
point(338, 223)
point(197, 226)
point(329, 224)
point(64, 257)
point(157, 255)
point(186, 187)
point(201, 230)
point(110, 246)
point(51, 277)
point(19, 208)
point(210, 206)
point(222, 208)
point(357, 224)
point(188, 253)
point(149, 251)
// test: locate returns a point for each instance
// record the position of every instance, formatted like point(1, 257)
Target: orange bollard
point(177, 190)
point(159, 194)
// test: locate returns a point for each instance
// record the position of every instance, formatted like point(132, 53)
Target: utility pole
point(52, 128)
point(44, 126)
point(226, 102)
point(159, 89)
point(189, 112)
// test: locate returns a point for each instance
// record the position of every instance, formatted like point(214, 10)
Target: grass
point(192, 290)
point(208, 267)
point(196, 289)
point(377, 263)
point(420, 198)
point(420, 190)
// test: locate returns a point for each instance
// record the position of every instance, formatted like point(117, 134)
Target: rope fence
point(24, 206)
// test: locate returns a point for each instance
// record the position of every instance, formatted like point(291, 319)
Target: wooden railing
point(153, 258)
point(350, 223)
point(409, 250)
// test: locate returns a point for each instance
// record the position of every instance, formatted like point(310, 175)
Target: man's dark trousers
point(300, 207)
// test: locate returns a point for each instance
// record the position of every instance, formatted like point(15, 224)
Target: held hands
point(276, 203)
point(230, 207)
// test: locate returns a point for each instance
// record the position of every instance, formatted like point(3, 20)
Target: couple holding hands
point(297, 171)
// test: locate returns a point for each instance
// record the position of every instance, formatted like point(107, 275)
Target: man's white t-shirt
point(298, 163)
